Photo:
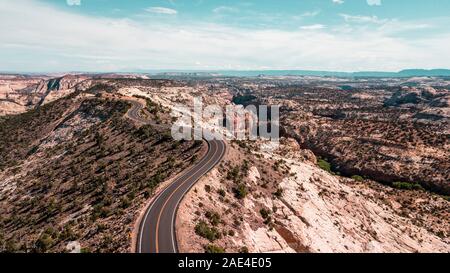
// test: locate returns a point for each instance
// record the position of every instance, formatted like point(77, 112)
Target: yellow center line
point(168, 199)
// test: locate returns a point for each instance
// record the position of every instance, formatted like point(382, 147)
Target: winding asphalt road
point(157, 228)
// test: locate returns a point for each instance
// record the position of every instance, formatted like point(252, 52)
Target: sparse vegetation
point(241, 191)
point(407, 186)
point(234, 174)
point(91, 175)
point(152, 107)
point(221, 192)
point(214, 249)
point(213, 217)
point(358, 178)
point(265, 213)
point(211, 233)
point(278, 193)
point(324, 165)
point(243, 250)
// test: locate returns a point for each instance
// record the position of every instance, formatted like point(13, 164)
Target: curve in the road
point(157, 229)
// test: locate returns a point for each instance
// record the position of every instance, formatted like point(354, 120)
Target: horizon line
point(146, 71)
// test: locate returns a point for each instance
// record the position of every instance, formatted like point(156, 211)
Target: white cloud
point(73, 2)
point(374, 2)
point(223, 9)
point(27, 42)
point(313, 27)
point(162, 10)
point(363, 19)
point(338, 2)
point(310, 13)
point(306, 15)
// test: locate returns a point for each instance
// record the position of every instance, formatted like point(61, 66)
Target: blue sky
point(117, 35)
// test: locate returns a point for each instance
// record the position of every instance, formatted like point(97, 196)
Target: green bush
point(100, 210)
point(358, 178)
point(221, 192)
point(407, 186)
point(265, 213)
point(44, 243)
point(241, 191)
point(324, 165)
point(214, 249)
point(234, 174)
point(153, 107)
point(245, 168)
point(243, 249)
point(67, 234)
point(125, 202)
point(85, 250)
point(213, 217)
point(278, 193)
point(202, 229)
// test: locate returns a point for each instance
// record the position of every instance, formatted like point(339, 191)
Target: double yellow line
point(172, 194)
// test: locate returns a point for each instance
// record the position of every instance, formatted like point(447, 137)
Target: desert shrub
point(67, 234)
point(278, 193)
point(358, 178)
point(234, 174)
point(268, 221)
point(152, 184)
point(407, 186)
point(176, 145)
point(44, 242)
point(214, 249)
point(324, 165)
point(265, 213)
point(165, 137)
point(145, 131)
point(213, 217)
point(241, 191)
point(202, 229)
point(221, 192)
point(11, 246)
point(245, 168)
point(100, 210)
point(208, 188)
point(276, 166)
point(125, 202)
point(243, 249)
point(153, 107)
point(85, 250)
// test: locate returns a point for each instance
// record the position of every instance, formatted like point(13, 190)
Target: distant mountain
point(275, 73)
point(246, 73)
point(424, 73)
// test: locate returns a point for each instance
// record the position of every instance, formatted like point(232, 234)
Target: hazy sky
point(118, 35)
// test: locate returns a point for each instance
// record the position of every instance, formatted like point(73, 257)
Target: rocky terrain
point(78, 171)
point(20, 93)
point(342, 141)
point(292, 205)
point(362, 165)
point(391, 134)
